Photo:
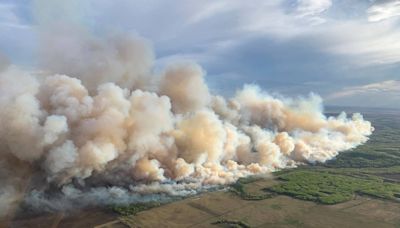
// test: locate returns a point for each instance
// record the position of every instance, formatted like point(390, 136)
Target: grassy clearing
point(276, 206)
point(240, 189)
point(294, 222)
point(133, 209)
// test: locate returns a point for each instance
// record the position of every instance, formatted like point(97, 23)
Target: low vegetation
point(276, 206)
point(133, 209)
point(327, 188)
point(239, 188)
point(294, 222)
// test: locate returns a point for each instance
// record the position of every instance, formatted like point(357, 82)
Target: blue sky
point(346, 51)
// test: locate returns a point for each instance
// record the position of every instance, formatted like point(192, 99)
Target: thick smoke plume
point(98, 126)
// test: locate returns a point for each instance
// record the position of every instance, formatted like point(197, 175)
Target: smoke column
point(98, 126)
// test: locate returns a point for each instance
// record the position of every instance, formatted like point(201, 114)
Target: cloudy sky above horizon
point(346, 51)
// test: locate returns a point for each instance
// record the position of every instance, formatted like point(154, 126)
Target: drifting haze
point(100, 126)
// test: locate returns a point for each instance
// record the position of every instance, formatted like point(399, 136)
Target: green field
point(132, 209)
point(328, 188)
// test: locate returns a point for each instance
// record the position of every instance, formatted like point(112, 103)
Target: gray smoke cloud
point(98, 126)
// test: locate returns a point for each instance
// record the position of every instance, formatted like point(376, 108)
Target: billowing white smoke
point(91, 129)
point(125, 60)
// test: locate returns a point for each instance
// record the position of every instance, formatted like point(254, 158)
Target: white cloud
point(210, 10)
point(380, 94)
point(390, 86)
point(383, 11)
point(364, 43)
point(312, 9)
